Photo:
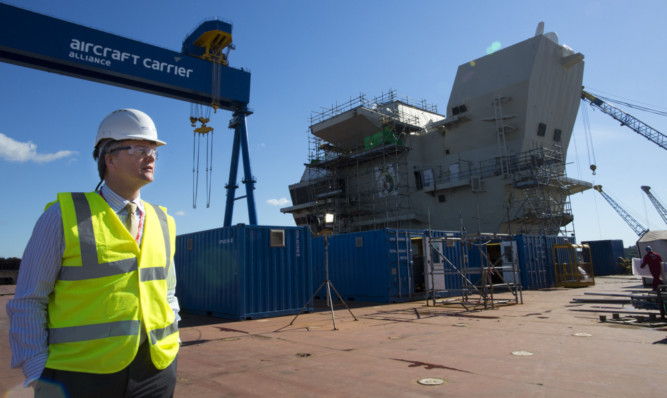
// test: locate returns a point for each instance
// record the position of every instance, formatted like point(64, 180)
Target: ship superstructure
point(495, 163)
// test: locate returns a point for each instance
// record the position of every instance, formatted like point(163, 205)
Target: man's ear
point(110, 160)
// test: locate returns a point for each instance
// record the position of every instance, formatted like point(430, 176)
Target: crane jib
point(626, 119)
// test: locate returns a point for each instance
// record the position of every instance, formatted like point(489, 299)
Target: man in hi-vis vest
point(94, 314)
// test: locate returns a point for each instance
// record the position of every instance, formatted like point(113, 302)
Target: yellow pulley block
point(203, 129)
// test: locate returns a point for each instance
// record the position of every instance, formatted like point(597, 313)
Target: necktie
point(131, 222)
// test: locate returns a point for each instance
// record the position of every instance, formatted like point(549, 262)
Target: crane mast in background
point(658, 206)
point(627, 120)
point(631, 221)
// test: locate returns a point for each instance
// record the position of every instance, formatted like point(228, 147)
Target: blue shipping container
point(381, 266)
point(605, 255)
point(370, 266)
point(244, 272)
point(536, 260)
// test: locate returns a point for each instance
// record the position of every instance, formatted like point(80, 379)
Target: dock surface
point(549, 346)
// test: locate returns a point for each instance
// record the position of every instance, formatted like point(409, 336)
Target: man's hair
point(104, 147)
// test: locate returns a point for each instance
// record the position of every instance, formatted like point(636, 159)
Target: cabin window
point(427, 178)
point(454, 170)
point(418, 181)
point(557, 134)
point(459, 109)
point(436, 249)
point(541, 129)
point(424, 178)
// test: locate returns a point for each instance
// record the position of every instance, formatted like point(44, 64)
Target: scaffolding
point(495, 269)
point(544, 200)
point(357, 168)
point(540, 198)
point(538, 174)
point(366, 186)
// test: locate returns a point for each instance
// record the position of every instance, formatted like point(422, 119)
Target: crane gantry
point(199, 74)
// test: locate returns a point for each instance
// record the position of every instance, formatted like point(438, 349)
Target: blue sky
point(304, 55)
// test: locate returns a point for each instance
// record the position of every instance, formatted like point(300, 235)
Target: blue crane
point(656, 203)
point(631, 221)
point(200, 74)
point(626, 119)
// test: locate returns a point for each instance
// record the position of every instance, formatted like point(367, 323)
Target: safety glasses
point(138, 150)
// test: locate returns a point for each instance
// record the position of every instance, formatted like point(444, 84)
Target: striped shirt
point(40, 266)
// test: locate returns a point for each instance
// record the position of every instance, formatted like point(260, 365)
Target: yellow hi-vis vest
point(108, 287)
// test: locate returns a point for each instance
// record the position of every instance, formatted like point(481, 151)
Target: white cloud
point(179, 213)
point(15, 151)
point(278, 202)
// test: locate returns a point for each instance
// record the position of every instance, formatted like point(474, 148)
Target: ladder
point(500, 131)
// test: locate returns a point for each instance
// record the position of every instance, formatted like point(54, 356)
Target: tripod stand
point(327, 283)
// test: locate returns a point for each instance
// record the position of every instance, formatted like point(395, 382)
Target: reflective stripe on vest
point(85, 226)
point(91, 332)
point(162, 216)
point(159, 334)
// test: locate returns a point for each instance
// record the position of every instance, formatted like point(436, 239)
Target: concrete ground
point(546, 347)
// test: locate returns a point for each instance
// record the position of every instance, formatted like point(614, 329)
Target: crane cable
point(198, 114)
point(195, 170)
point(633, 106)
point(576, 154)
point(590, 150)
point(209, 169)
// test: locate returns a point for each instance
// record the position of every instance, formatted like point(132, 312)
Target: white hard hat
point(127, 124)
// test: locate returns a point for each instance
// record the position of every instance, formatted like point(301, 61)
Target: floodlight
point(328, 225)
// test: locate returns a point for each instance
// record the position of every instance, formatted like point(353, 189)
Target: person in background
point(95, 312)
point(654, 262)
